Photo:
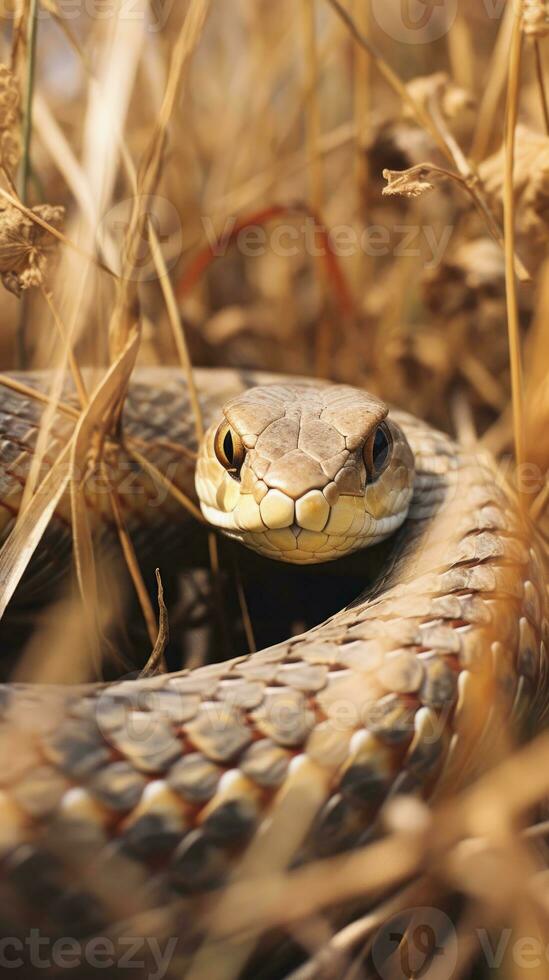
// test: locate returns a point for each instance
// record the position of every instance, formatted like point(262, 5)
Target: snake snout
point(305, 473)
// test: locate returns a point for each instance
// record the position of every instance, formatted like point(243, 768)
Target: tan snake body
point(131, 802)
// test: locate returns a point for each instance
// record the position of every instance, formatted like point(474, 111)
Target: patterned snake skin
point(124, 806)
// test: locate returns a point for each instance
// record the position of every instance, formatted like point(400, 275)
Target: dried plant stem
point(329, 959)
point(173, 447)
point(16, 385)
point(32, 31)
point(149, 170)
point(73, 363)
point(391, 77)
point(540, 504)
point(399, 183)
point(511, 114)
point(94, 422)
point(163, 481)
point(541, 84)
point(448, 147)
point(177, 329)
point(31, 524)
point(323, 333)
point(132, 563)
point(312, 105)
point(362, 95)
point(284, 167)
point(156, 664)
point(487, 114)
point(460, 51)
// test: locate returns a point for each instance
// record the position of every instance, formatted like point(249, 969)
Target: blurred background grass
point(281, 107)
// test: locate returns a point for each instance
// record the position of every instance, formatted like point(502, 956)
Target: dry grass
point(280, 118)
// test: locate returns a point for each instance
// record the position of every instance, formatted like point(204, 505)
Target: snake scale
point(125, 806)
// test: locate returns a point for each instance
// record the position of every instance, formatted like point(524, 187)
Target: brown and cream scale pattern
point(119, 798)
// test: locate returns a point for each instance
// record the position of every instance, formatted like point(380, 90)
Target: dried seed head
point(24, 245)
point(407, 183)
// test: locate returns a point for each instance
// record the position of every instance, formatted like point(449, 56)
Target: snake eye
point(229, 449)
point(377, 452)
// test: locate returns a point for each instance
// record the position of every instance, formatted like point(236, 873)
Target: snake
point(128, 808)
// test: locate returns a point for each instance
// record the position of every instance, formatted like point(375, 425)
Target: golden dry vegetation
point(357, 190)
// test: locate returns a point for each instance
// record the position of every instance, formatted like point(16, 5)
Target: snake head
point(305, 473)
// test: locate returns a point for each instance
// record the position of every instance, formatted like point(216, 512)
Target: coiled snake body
point(123, 806)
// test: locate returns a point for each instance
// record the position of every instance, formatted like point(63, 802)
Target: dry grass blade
point(509, 235)
point(163, 481)
point(73, 363)
point(32, 522)
point(362, 99)
point(42, 442)
point(324, 331)
point(331, 959)
point(264, 861)
point(488, 111)
point(32, 31)
point(312, 118)
point(53, 400)
point(290, 896)
point(391, 76)
point(109, 96)
point(150, 168)
point(15, 384)
point(541, 84)
point(177, 329)
point(259, 185)
point(131, 560)
point(56, 144)
point(450, 149)
point(95, 420)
